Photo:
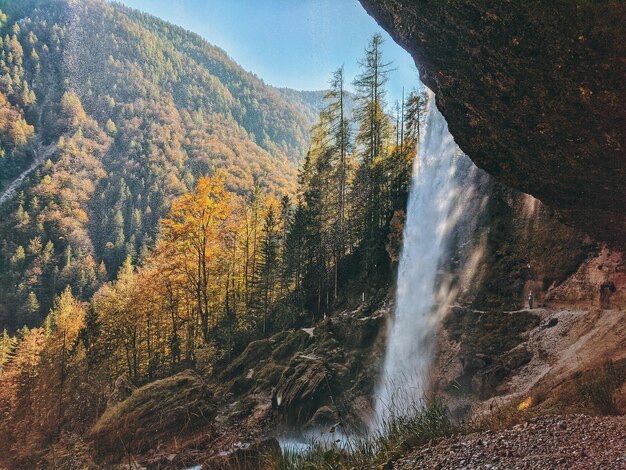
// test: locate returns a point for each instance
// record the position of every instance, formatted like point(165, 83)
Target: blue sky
point(291, 43)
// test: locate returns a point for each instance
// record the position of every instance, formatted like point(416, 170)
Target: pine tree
point(30, 309)
point(372, 139)
point(7, 348)
point(341, 146)
point(415, 114)
point(270, 243)
point(88, 336)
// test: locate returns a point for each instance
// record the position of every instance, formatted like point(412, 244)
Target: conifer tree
point(270, 244)
point(374, 128)
point(341, 146)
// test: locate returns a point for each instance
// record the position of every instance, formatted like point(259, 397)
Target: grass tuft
point(598, 387)
point(396, 435)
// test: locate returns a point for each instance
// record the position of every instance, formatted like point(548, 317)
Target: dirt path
point(555, 442)
point(43, 153)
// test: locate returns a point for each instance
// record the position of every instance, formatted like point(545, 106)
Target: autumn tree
point(193, 231)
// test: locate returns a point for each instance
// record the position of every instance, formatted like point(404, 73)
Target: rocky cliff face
point(534, 94)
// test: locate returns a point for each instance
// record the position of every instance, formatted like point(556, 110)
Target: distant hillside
point(106, 114)
point(313, 101)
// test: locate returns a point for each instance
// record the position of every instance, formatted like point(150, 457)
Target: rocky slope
point(534, 94)
point(558, 442)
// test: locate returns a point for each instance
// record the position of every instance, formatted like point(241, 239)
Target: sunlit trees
point(123, 140)
point(127, 279)
point(193, 230)
point(341, 147)
point(72, 112)
point(121, 320)
point(374, 130)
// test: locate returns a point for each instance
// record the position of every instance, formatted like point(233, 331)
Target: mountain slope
point(127, 111)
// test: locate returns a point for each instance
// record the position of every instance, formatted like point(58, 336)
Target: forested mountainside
point(106, 114)
point(154, 240)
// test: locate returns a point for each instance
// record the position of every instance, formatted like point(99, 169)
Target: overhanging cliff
point(533, 92)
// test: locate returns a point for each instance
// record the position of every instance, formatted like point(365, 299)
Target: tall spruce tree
point(374, 129)
point(340, 148)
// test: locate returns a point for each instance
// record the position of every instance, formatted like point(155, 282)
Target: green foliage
point(350, 188)
point(7, 348)
point(157, 201)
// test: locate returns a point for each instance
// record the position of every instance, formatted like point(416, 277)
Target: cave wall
point(533, 93)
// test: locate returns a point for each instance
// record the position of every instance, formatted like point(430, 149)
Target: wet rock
point(324, 418)
point(301, 389)
point(360, 332)
point(260, 454)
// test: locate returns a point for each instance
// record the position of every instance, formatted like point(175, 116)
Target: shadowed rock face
point(533, 92)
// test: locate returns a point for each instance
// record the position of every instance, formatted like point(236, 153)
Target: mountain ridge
point(138, 109)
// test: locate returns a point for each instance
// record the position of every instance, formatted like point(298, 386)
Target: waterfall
point(436, 204)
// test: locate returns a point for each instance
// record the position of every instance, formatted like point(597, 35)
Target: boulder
point(154, 414)
point(249, 358)
point(518, 357)
point(302, 388)
point(323, 418)
point(295, 342)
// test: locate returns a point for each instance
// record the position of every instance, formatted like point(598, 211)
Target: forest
point(114, 144)
point(118, 269)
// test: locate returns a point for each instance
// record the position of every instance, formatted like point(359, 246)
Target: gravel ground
point(555, 442)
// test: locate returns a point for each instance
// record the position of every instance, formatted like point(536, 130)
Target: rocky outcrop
point(120, 391)
point(533, 93)
point(302, 388)
point(155, 414)
point(599, 282)
point(541, 360)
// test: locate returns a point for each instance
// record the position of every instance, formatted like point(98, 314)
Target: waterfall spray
point(435, 203)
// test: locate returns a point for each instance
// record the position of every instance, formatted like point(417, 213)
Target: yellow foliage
point(528, 403)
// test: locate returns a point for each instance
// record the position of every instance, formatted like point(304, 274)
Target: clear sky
point(288, 43)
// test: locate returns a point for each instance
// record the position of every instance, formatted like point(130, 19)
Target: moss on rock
point(154, 414)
